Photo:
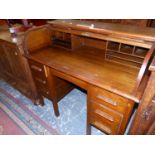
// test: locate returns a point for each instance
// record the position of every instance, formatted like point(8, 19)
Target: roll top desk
point(109, 61)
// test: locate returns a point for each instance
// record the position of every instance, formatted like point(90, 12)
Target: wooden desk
point(82, 58)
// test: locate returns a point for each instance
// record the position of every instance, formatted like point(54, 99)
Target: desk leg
point(88, 129)
point(52, 90)
point(39, 101)
point(56, 109)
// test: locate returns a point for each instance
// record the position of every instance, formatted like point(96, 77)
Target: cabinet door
point(4, 62)
point(15, 60)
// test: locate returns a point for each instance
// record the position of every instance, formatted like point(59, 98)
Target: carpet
point(73, 112)
point(17, 119)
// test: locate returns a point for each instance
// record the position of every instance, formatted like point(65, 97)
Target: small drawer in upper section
point(61, 39)
point(125, 54)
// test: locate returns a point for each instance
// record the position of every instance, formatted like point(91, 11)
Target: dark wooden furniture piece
point(14, 67)
point(26, 22)
point(109, 61)
point(144, 121)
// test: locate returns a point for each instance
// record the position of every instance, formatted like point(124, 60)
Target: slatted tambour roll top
point(38, 38)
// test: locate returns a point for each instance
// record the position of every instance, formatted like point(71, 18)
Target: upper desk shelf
point(133, 35)
point(123, 44)
point(131, 47)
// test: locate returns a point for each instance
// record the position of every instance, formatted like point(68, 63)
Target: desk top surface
point(144, 33)
point(88, 64)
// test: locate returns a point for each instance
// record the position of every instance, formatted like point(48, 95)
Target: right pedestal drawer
point(108, 111)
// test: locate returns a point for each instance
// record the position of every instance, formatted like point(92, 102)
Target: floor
point(72, 119)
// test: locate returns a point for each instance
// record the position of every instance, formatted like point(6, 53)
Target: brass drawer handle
point(16, 53)
point(41, 81)
point(105, 115)
point(47, 92)
point(65, 67)
point(85, 34)
point(103, 127)
point(108, 100)
point(44, 91)
point(36, 68)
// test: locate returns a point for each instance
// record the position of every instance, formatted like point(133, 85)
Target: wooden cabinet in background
point(11, 63)
point(14, 59)
point(5, 66)
point(14, 68)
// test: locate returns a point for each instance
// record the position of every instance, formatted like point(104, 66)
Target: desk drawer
point(44, 92)
point(42, 87)
point(109, 99)
point(105, 118)
point(40, 83)
point(37, 69)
